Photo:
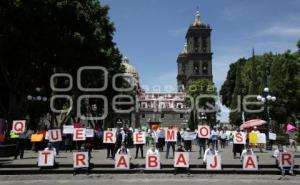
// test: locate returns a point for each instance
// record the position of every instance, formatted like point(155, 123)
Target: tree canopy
point(40, 38)
point(279, 72)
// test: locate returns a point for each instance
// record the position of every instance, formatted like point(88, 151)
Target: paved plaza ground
point(99, 157)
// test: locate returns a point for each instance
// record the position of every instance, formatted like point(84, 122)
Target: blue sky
point(151, 33)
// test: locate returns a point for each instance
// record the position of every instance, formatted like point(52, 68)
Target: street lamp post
point(265, 99)
point(202, 117)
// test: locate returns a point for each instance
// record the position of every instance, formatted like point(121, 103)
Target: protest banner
point(80, 160)
point(286, 159)
point(171, 135)
point(250, 163)
point(239, 138)
point(19, 126)
point(122, 162)
point(68, 129)
point(109, 137)
point(139, 138)
point(188, 136)
point(45, 158)
point(89, 133)
point(79, 134)
point(253, 138)
point(181, 159)
point(272, 136)
point(54, 135)
point(203, 131)
point(213, 162)
point(152, 162)
point(262, 138)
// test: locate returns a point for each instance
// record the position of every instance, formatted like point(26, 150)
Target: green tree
point(280, 72)
point(39, 38)
point(196, 89)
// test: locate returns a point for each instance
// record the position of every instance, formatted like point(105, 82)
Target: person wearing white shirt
point(123, 151)
point(214, 138)
point(276, 155)
point(51, 148)
point(209, 152)
point(152, 150)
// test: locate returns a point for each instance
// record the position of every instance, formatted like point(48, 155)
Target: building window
point(181, 115)
point(162, 115)
point(204, 44)
point(205, 68)
point(143, 115)
point(196, 44)
point(196, 68)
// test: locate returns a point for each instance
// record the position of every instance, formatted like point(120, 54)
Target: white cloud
point(283, 30)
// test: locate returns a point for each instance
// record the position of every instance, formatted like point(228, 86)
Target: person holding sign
point(152, 158)
point(209, 152)
point(171, 141)
point(239, 141)
point(247, 151)
point(181, 160)
point(81, 161)
point(281, 159)
point(214, 138)
point(139, 140)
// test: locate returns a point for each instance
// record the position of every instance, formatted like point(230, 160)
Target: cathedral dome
point(130, 69)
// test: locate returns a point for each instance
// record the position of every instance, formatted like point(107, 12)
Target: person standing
point(237, 148)
point(202, 146)
point(214, 138)
point(223, 138)
point(170, 144)
point(176, 169)
point(161, 139)
point(139, 147)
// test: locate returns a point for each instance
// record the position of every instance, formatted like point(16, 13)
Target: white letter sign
point(80, 160)
point(152, 162)
point(109, 137)
point(213, 162)
point(122, 162)
point(250, 163)
point(181, 159)
point(79, 134)
point(18, 126)
point(203, 132)
point(139, 138)
point(171, 135)
point(46, 158)
point(54, 135)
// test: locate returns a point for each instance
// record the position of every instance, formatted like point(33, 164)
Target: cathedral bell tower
point(195, 60)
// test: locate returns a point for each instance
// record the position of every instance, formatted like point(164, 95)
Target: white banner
point(68, 129)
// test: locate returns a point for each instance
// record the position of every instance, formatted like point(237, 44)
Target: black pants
point(110, 150)
point(139, 146)
point(20, 147)
point(188, 145)
point(170, 144)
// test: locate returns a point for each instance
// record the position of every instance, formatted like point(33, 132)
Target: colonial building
point(169, 109)
point(195, 60)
